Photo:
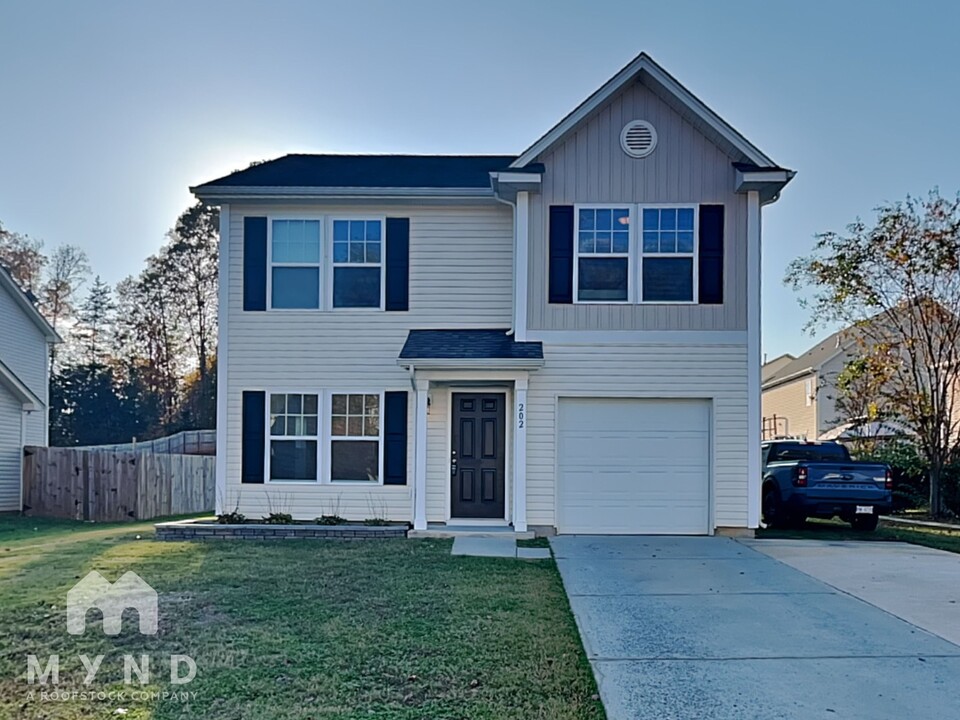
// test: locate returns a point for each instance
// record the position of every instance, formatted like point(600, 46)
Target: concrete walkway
point(496, 547)
point(711, 628)
point(917, 584)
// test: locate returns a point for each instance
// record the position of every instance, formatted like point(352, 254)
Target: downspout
point(24, 414)
point(513, 302)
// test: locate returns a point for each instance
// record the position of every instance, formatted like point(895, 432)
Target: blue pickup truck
point(818, 479)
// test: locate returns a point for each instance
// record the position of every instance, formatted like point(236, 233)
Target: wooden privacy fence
point(108, 485)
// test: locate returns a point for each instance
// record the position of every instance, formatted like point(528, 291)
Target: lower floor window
point(355, 437)
point(293, 459)
point(293, 436)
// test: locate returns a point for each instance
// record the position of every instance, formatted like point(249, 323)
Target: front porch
point(469, 431)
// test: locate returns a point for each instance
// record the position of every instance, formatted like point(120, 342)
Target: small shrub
point(376, 522)
point(278, 518)
point(331, 520)
point(232, 518)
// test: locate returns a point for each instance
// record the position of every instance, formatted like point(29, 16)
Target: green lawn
point(940, 539)
point(382, 630)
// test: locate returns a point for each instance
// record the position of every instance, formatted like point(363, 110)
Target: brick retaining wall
point(211, 531)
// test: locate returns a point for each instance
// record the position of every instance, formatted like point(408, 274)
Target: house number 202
point(520, 415)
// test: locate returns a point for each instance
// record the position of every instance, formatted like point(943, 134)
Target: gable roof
point(26, 304)
point(664, 84)
point(809, 362)
point(351, 172)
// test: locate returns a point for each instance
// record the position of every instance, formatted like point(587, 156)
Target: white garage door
point(628, 466)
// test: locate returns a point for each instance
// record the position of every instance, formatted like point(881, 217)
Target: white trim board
point(638, 337)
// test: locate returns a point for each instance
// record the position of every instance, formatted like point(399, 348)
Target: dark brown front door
point(477, 448)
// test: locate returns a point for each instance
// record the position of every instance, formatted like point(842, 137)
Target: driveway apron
point(710, 628)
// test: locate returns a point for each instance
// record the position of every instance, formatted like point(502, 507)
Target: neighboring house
point(25, 339)
point(799, 396)
point(566, 339)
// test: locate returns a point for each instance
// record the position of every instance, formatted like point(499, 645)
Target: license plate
point(864, 509)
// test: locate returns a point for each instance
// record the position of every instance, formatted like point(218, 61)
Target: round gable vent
point(638, 138)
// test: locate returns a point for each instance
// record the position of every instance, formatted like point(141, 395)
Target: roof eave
point(768, 182)
point(18, 389)
point(214, 194)
point(471, 363)
point(644, 63)
point(19, 297)
point(775, 382)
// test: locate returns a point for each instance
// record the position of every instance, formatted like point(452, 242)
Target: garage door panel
point(633, 466)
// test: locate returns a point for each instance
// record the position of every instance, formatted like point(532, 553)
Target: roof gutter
point(224, 193)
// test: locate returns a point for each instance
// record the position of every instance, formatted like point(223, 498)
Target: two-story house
point(564, 339)
point(25, 338)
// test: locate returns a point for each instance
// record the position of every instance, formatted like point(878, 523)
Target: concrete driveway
point(711, 628)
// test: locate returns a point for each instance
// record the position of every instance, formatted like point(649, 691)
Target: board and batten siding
point(714, 372)
point(461, 275)
point(589, 166)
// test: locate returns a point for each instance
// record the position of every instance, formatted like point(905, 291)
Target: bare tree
point(897, 284)
point(67, 269)
point(23, 257)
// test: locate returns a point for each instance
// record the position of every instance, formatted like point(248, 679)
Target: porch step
point(439, 530)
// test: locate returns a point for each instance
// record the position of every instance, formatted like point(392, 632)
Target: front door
point(477, 450)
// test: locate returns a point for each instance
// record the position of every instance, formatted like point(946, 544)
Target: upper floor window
point(602, 269)
point(295, 264)
point(357, 263)
point(653, 263)
point(668, 255)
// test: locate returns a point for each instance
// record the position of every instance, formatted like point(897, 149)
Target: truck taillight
point(888, 484)
point(800, 479)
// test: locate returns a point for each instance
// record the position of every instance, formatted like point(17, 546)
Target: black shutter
point(561, 254)
point(254, 426)
point(398, 264)
point(254, 263)
point(395, 438)
point(711, 254)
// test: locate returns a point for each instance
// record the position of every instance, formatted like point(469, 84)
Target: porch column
point(420, 457)
point(520, 455)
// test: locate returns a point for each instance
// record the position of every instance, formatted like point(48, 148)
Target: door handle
point(453, 464)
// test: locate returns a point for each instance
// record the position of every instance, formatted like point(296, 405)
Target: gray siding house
point(25, 338)
point(567, 340)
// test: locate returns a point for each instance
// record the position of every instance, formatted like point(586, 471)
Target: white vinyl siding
point(10, 451)
point(461, 275)
point(23, 347)
point(710, 372)
point(589, 167)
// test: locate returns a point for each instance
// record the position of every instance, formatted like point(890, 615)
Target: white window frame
point(319, 265)
point(269, 437)
point(629, 255)
point(382, 264)
point(330, 438)
point(694, 256)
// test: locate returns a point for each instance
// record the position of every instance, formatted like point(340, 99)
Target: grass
point(939, 538)
point(382, 630)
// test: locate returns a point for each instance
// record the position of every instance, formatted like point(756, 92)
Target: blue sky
point(111, 109)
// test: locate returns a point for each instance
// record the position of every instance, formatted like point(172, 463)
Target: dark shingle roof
point(370, 171)
point(468, 345)
point(812, 359)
